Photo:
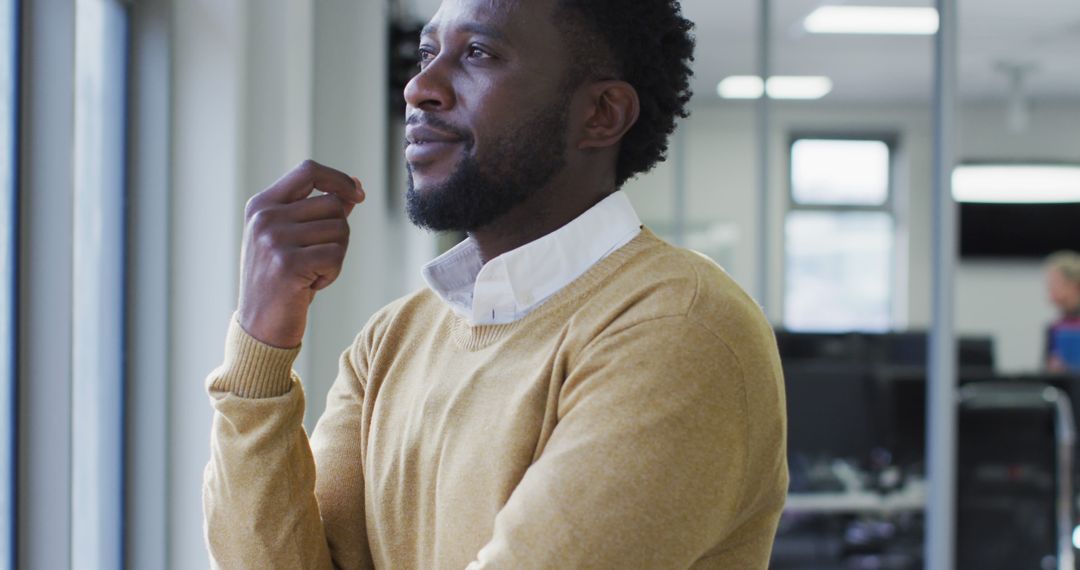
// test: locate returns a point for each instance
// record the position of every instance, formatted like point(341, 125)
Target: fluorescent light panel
point(798, 87)
point(872, 20)
point(778, 87)
point(1016, 184)
point(741, 87)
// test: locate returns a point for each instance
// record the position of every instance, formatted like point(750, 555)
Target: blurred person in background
point(1063, 288)
point(569, 391)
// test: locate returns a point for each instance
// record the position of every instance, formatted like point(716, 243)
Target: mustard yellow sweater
point(635, 420)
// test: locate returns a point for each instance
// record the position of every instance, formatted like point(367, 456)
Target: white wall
point(257, 87)
point(207, 143)
point(1004, 299)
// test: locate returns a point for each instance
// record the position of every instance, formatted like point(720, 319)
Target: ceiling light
point(778, 87)
point(872, 20)
point(798, 87)
point(1017, 184)
point(741, 87)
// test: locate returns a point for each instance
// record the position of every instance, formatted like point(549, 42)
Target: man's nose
point(430, 90)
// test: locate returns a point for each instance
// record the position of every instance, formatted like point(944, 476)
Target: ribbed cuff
point(253, 369)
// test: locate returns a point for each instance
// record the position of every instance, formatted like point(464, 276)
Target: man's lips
point(426, 144)
point(425, 134)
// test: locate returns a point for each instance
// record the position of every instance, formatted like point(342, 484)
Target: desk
point(912, 498)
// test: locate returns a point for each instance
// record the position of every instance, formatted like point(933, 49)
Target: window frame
point(102, 32)
point(9, 262)
point(146, 474)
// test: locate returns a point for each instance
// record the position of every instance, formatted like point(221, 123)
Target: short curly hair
point(648, 44)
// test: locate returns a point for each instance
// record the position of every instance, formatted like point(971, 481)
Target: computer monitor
point(830, 413)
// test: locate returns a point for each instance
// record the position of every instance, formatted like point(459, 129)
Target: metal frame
point(940, 547)
point(992, 395)
point(9, 221)
point(764, 111)
point(679, 197)
point(1065, 427)
point(45, 290)
point(147, 365)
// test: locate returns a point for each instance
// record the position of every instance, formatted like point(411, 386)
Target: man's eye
point(477, 52)
point(424, 56)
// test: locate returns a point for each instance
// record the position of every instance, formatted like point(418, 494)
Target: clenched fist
point(294, 245)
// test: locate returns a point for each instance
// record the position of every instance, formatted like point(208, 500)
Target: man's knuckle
point(263, 219)
point(307, 166)
point(285, 258)
point(257, 220)
point(252, 207)
point(265, 241)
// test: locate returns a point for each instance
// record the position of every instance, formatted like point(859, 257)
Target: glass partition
point(1018, 202)
point(850, 202)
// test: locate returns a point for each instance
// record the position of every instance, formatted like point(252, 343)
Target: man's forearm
point(259, 486)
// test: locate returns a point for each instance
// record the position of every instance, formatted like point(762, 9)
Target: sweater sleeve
point(654, 461)
point(263, 505)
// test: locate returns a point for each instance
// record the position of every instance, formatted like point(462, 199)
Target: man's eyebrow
point(468, 28)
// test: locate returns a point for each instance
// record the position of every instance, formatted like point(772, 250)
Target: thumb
point(360, 191)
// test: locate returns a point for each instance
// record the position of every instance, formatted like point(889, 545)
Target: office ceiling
point(1041, 34)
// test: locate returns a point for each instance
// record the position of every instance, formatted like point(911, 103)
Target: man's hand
point(293, 247)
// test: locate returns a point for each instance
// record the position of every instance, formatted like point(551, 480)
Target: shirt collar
point(516, 282)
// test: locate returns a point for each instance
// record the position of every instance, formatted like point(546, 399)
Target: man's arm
point(263, 504)
point(260, 494)
point(654, 460)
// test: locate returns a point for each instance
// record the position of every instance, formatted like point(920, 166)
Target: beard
point(516, 165)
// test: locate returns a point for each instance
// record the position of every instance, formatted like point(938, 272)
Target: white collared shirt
point(510, 286)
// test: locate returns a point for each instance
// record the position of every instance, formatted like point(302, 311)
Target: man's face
point(487, 114)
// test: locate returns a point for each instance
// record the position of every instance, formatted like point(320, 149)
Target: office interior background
point(133, 132)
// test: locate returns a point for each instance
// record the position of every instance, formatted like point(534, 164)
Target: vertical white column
point(97, 383)
point(206, 208)
point(278, 110)
point(350, 133)
point(941, 386)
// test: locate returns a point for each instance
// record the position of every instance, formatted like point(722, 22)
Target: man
point(569, 392)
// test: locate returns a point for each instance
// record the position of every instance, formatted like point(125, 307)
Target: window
point(98, 285)
point(839, 236)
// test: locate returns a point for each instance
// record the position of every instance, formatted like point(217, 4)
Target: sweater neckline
point(478, 337)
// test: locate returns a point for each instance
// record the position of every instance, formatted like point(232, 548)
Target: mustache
point(420, 119)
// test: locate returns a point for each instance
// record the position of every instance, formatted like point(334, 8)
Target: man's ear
point(613, 108)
